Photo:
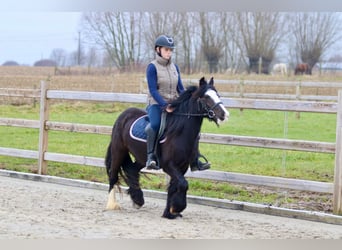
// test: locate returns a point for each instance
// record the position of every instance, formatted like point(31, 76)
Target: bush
point(10, 63)
point(45, 63)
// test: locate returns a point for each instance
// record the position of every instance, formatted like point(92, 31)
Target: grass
point(269, 162)
point(272, 124)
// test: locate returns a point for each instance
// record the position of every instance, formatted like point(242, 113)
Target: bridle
point(209, 111)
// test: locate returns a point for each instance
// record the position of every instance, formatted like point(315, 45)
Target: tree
point(314, 33)
point(186, 41)
point(211, 39)
point(232, 59)
point(163, 23)
point(10, 63)
point(259, 36)
point(45, 63)
point(118, 33)
point(91, 58)
point(59, 56)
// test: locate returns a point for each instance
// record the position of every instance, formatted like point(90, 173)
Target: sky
point(26, 37)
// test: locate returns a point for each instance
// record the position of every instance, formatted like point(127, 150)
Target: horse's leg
point(176, 197)
point(112, 204)
point(113, 165)
point(132, 180)
point(113, 177)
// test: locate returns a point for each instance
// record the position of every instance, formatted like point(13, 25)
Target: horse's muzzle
point(223, 116)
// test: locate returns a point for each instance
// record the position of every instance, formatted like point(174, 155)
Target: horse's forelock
point(203, 89)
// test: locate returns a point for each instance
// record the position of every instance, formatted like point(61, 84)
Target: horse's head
point(211, 102)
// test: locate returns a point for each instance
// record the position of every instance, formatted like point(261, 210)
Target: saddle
point(137, 129)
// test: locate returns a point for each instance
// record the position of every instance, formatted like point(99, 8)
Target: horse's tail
point(108, 159)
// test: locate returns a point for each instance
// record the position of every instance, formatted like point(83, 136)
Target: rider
point(165, 85)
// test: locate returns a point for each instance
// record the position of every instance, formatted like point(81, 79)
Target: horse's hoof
point(113, 207)
point(171, 216)
point(112, 204)
point(136, 206)
point(137, 197)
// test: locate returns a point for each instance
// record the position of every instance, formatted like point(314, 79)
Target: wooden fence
point(44, 125)
point(297, 89)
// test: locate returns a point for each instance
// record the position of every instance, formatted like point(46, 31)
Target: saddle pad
point(137, 129)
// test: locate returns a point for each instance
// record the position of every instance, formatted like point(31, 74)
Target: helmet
point(164, 41)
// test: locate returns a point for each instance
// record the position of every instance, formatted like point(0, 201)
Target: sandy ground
point(37, 210)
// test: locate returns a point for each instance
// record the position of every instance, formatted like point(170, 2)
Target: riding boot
point(151, 162)
point(197, 165)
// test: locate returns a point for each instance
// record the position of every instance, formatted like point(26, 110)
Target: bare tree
point(260, 34)
point(168, 23)
point(211, 39)
point(232, 59)
point(59, 56)
point(185, 42)
point(72, 59)
point(91, 58)
point(117, 33)
point(314, 33)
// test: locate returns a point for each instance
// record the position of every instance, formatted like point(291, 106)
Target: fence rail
point(224, 139)
point(44, 125)
point(241, 91)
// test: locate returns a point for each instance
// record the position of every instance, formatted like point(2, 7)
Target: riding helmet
point(164, 41)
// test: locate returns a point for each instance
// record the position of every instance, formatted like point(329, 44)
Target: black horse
point(181, 133)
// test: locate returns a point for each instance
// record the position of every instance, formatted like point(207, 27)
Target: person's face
point(165, 52)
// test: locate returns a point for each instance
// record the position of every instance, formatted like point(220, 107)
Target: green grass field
point(270, 162)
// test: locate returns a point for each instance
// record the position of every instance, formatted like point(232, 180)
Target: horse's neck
point(192, 127)
point(185, 126)
point(187, 121)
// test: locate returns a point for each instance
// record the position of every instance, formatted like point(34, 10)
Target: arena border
point(205, 201)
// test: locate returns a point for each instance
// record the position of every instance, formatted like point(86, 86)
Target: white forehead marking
point(213, 95)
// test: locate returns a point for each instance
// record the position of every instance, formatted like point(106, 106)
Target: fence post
point(298, 95)
point(242, 91)
point(34, 98)
point(337, 196)
point(43, 132)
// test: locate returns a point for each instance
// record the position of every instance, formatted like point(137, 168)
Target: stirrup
point(200, 166)
point(202, 156)
point(152, 163)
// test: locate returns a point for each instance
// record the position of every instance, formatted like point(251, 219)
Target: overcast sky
point(26, 37)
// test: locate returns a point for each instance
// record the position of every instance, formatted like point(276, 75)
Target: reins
point(210, 113)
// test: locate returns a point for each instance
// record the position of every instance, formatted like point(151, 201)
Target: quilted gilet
point(167, 79)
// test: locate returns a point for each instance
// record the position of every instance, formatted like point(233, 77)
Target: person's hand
point(169, 108)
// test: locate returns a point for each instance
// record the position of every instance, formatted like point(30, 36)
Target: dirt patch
point(34, 210)
point(293, 199)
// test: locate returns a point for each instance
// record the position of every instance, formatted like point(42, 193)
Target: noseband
point(209, 111)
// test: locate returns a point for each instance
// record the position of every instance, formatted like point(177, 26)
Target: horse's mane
point(184, 97)
point(181, 103)
point(186, 103)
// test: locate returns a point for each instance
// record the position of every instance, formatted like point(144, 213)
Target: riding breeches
point(154, 114)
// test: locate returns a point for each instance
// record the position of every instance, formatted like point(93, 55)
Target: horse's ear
point(202, 81)
point(211, 82)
